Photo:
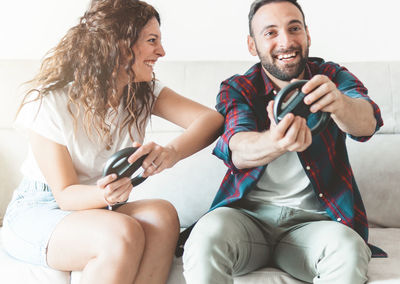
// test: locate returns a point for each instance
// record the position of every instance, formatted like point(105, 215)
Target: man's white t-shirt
point(285, 183)
point(89, 155)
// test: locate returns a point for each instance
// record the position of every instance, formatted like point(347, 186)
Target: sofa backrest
point(193, 182)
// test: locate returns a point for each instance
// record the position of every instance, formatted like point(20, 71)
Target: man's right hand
point(253, 149)
point(291, 133)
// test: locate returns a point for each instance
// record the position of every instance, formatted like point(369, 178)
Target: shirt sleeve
point(158, 86)
point(42, 117)
point(239, 117)
point(351, 86)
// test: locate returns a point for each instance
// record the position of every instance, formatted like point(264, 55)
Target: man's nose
point(284, 39)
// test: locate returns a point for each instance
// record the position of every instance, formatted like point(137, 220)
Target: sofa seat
point(381, 270)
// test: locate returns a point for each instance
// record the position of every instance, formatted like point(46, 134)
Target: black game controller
point(295, 104)
point(118, 164)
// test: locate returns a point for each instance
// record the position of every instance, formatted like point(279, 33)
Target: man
point(289, 199)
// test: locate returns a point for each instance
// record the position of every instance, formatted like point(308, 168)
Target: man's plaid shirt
point(242, 100)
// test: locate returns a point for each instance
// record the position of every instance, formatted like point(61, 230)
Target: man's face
point(281, 40)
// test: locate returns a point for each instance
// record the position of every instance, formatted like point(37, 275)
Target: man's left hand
point(322, 95)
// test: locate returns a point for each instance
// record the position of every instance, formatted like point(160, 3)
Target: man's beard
point(288, 72)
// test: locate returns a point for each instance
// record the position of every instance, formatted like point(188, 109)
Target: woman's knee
point(159, 215)
point(125, 239)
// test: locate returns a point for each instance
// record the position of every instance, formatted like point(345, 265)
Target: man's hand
point(352, 115)
point(322, 95)
point(253, 149)
point(291, 133)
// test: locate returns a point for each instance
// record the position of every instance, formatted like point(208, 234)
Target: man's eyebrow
point(267, 27)
point(274, 26)
point(296, 22)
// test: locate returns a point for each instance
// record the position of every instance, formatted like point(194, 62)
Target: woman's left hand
point(158, 157)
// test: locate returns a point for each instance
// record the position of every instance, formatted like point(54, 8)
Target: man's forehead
point(276, 14)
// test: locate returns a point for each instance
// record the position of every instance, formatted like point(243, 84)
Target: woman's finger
point(104, 181)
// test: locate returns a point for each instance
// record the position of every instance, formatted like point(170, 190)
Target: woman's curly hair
point(88, 58)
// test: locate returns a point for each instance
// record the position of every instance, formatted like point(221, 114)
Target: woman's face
point(147, 50)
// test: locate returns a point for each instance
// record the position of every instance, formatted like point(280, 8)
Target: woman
point(93, 96)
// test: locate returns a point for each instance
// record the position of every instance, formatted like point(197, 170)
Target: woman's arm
point(56, 165)
point(202, 126)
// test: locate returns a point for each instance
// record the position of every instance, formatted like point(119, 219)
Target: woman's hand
point(158, 157)
point(115, 191)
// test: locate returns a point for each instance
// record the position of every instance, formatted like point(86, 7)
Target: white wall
point(341, 30)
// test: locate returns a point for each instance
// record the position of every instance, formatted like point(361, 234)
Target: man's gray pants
point(309, 246)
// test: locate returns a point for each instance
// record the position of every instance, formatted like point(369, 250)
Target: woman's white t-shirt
point(89, 155)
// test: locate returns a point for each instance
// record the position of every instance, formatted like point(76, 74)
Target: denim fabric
point(30, 219)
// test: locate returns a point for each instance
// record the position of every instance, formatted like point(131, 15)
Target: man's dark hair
point(257, 4)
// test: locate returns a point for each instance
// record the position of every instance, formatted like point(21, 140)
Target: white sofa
point(192, 183)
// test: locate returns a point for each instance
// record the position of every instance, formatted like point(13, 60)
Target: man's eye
point(269, 34)
point(295, 29)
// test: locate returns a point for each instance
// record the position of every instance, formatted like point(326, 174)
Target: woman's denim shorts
point(30, 219)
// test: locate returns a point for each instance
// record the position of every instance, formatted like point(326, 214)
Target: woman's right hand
point(115, 191)
point(158, 157)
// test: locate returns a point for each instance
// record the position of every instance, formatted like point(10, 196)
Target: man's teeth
point(286, 56)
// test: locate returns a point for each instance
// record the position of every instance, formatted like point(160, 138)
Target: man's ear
point(251, 45)
point(308, 37)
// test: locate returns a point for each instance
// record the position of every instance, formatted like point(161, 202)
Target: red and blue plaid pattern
point(242, 100)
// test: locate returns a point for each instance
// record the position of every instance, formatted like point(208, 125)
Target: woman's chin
point(143, 79)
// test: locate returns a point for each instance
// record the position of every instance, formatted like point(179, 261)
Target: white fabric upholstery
point(192, 183)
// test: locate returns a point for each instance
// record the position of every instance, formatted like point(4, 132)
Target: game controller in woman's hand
point(118, 164)
point(295, 104)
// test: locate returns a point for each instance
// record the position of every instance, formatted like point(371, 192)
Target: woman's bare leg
point(107, 246)
point(160, 223)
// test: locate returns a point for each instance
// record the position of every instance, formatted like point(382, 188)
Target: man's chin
point(286, 76)
point(286, 73)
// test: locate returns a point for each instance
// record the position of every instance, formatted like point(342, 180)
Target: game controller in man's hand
point(118, 164)
point(295, 104)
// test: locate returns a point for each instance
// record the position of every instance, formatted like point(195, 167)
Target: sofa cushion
point(12, 151)
point(190, 185)
point(381, 80)
point(376, 166)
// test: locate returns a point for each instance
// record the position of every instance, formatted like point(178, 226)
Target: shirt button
point(321, 195)
point(339, 219)
point(308, 168)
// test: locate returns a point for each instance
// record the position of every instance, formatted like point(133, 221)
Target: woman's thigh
point(84, 235)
